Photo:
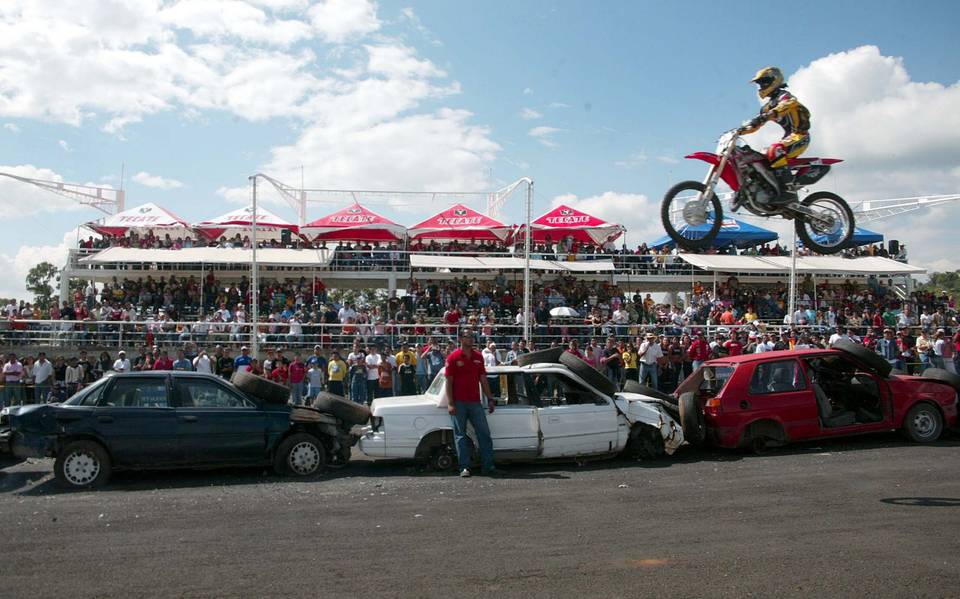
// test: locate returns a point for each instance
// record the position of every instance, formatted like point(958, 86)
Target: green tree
point(40, 282)
point(943, 281)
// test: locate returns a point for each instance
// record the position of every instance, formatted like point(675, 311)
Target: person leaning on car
point(466, 375)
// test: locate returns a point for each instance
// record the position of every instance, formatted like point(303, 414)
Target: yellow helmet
point(768, 80)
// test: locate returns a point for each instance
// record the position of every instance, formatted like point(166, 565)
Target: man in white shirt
point(202, 363)
point(346, 312)
point(647, 355)
point(621, 318)
point(122, 364)
point(373, 360)
point(489, 354)
point(72, 376)
point(765, 345)
point(12, 381)
point(42, 377)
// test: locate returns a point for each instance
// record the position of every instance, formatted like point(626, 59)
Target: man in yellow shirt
point(629, 356)
point(336, 373)
point(406, 351)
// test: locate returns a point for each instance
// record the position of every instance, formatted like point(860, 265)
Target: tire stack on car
point(303, 454)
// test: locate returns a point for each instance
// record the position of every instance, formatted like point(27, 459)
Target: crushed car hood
point(404, 404)
point(648, 410)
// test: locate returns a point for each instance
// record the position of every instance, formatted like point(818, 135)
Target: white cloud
point(19, 199)
point(898, 138)
point(146, 179)
point(411, 17)
point(634, 160)
point(530, 114)
point(668, 159)
point(558, 105)
point(340, 20)
point(528, 91)
point(544, 135)
point(64, 145)
point(17, 266)
point(11, 127)
point(234, 18)
point(635, 211)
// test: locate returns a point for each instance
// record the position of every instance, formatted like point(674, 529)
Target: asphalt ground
point(864, 517)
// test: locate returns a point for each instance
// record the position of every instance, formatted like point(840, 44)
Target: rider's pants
point(790, 146)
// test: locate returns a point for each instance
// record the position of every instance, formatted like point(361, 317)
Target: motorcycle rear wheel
point(819, 239)
point(690, 236)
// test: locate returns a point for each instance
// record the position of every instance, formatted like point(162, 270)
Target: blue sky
point(615, 93)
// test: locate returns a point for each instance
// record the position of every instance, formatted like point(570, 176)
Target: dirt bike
point(692, 214)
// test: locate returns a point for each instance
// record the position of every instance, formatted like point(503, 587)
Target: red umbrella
point(460, 223)
point(148, 217)
point(269, 225)
point(563, 221)
point(353, 223)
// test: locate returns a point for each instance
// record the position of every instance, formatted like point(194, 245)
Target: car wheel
point(300, 454)
point(645, 443)
point(444, 459)
point(692, 419)
point(344, 409)
point(868, 358)
point(588, 373)
point(923, 423)
point(258, 386)
point(82, 465)
point(543, 356)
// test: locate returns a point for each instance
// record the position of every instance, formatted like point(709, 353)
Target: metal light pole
point(526, 265)
point(791, 304)
point(254, 283)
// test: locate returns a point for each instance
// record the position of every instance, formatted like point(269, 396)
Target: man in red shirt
point(280, 374)
point(163, 362)
point(297, 372)
point(733, 346)
point(466, 376)
point(699, 350)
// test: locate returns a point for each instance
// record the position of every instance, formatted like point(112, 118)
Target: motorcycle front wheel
point(829, 237)
point(690, 225)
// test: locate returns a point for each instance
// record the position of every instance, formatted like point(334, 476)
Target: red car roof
point(784, 353)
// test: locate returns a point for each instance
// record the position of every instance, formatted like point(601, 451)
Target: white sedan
point(542, 411)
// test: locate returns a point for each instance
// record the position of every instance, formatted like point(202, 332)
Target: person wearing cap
point(122, 363)
point(336, 373)
point(649, 355)
point(320, 361)
point(466, 377)
point(241, 362)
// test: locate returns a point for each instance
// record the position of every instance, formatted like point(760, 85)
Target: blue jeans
point(473, 412)
point(296, 393)
point(649, 370)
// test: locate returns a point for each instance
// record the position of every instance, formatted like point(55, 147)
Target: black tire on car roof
point(588, 373)
point(542, 356)
point(870, 359)
point(692, 419)
point(344, 409)
point(260, 387)
point(632, 386)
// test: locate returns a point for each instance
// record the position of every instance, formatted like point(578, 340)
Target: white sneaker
point(464, 473)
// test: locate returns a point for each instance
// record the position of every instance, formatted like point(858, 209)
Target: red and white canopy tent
point(563, 221)
point(460, 223)
point(141, 219)
point(269, 225)
point(353, 223)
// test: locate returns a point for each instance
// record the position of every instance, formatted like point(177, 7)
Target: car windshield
point(77, 398)
point(436, 388)
point(715, 378)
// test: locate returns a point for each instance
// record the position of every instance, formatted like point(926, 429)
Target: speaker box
point(285, 237)
point(893, 246)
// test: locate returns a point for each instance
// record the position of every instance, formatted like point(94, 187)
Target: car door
point(574, 419)
point(514, 428)
point(779, 391)
point(135, 419)
point(217, 425)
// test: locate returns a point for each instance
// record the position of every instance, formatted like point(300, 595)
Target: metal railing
point(169, 334)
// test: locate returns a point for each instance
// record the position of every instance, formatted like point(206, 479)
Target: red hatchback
point(773, 398)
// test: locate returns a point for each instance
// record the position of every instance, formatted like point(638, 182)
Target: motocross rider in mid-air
point(782, 107)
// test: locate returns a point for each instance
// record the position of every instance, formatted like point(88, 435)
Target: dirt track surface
point(865, 517)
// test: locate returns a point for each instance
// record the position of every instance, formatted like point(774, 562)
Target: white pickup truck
point(542, 411)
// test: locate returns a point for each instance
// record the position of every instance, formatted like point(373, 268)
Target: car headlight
point(5, 412)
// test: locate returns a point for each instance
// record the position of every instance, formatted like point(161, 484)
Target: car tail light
point(712, 406)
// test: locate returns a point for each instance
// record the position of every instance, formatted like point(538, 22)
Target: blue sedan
point(153, 420)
